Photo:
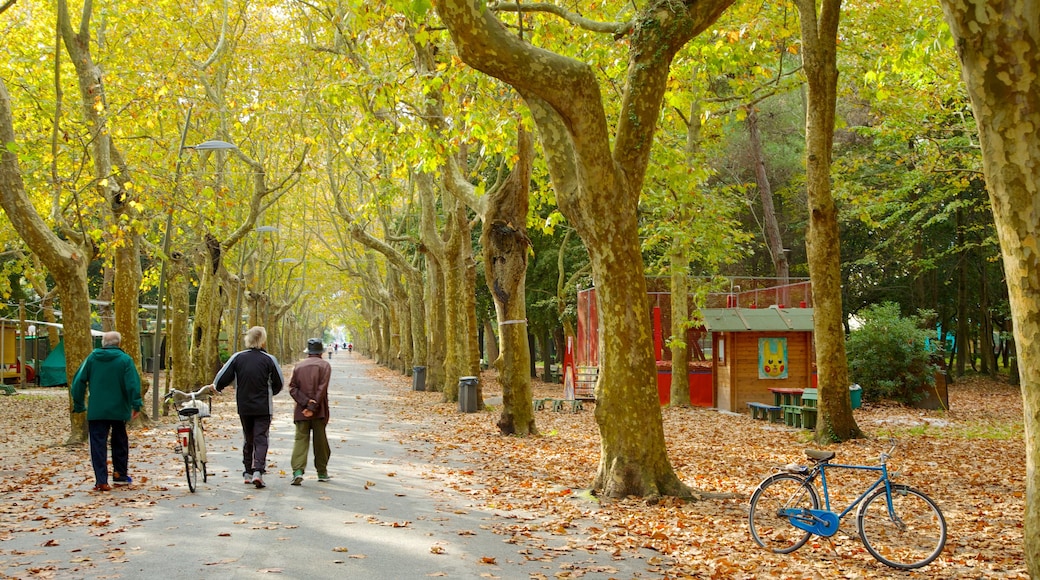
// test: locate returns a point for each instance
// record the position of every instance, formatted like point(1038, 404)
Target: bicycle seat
point(189, 411)
point(817, 455)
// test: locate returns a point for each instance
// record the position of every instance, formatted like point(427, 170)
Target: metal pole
point(238, 299)
point(21, 335)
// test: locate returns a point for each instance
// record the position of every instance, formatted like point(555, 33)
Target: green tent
point(52, 370)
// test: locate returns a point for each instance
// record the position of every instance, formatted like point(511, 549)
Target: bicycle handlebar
point(207, 389)
point(885, 455)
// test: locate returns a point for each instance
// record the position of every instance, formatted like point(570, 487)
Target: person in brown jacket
point(309, 387)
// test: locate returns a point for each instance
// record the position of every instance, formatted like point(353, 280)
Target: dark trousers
point(99, 430)
point(254, 452)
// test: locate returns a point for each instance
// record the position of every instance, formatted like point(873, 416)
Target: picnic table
point(786, 396)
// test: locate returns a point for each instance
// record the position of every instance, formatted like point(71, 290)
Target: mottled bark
point(589, 176)
point(209, 304)
point(453, 255)
point(491, 348)
point(680, 316)
point(395, 313)
point(457, 314)
point(819, 57)
point(505, 243)
point(998, 43)
point(437, 335)
point(65, 260)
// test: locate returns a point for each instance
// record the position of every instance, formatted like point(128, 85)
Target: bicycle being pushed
point(900, 526)
point(191, 437)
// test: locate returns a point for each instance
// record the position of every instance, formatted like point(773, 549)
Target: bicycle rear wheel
point(909, 537)
point(191, 464)
point(770, 528)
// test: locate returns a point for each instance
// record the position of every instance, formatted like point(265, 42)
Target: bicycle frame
point(192, 419)
point(825, 522)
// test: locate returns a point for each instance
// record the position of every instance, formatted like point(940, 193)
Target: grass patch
point(991, 431)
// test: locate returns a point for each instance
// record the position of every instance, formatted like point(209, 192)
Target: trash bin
point(418, 378)
point(856, 394)
point(468, 394)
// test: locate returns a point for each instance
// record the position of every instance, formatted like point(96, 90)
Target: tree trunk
point(66, 262)
point(456, 290)
point(106, 310)
point(633, 457)
point(505, 244)
point(394, 316)
point(819, 41)
point(592, 170)
point(680, 389)
point(996, 43)
point(987, 364)
point(209, 305)
point(491, 348)
point(961, 340)
point(112, 178)
point(436, 375)
point(770, 223)
point(127, 293)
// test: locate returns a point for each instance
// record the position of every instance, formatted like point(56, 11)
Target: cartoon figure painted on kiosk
point(772, 358)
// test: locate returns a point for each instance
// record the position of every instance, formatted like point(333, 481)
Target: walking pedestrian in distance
point(257, 378)
point(309, 387)
point(109, 383)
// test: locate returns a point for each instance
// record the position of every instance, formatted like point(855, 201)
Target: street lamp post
point(212, 145)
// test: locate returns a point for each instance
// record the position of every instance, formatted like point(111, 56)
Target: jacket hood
point(108, 353)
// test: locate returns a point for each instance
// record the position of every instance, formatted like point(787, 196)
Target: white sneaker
point(258, 479)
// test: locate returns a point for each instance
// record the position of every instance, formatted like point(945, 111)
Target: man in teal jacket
point(114, 386)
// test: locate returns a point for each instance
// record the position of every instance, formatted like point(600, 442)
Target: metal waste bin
point(418, 378)
point(468, 394)
point(856, 396)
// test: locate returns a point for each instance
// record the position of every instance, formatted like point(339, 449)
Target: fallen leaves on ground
point(971, 459)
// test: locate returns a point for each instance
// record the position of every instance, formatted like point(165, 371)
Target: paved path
point(379, 517)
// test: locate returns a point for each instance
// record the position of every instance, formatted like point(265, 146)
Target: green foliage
point(887, 355)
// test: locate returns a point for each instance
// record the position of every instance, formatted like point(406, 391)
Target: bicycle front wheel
point(770, 528)
point(910, 536)
point(191, 464)
point(200, 449)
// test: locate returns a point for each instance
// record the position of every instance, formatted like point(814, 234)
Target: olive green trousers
point(305, 431)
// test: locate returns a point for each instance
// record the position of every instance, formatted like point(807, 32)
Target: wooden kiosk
point(756, 349)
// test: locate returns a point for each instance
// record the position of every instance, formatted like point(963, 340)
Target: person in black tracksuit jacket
point(258, 378)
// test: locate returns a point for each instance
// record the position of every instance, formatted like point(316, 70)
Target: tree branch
point(618, 29)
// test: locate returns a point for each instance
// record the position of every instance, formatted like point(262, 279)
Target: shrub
point(887, 355)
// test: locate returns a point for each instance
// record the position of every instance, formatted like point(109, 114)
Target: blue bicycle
point(899, 525)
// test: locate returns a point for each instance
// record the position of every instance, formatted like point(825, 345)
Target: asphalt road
point(379, 517)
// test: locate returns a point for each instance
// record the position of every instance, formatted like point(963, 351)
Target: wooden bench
point(792, 415)
point(810, 403)
point(765, 412)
